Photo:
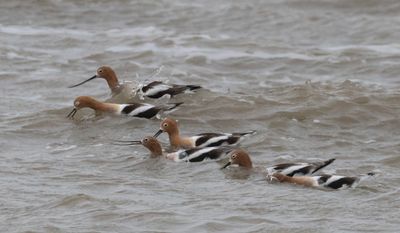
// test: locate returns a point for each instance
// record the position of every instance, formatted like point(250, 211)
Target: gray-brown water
point(317, 79)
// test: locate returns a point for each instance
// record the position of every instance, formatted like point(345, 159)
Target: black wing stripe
point(128, 109)
point(148, 113)
point(341, 182)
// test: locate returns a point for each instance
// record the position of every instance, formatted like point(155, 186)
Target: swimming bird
point(177, 141)
point(142, 110)
point(189, 155)
point(126, 91)
point(328, 181)
point(241, 158)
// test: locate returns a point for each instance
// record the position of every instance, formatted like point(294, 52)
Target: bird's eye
point(145, 140)
point(165, 125)
point(234, 156)
point(100, 71)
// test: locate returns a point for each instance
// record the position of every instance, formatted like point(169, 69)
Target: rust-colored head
point(169, 126)
point(82, 102)
point(239, 157)
point(106, 73)
point(149, 142)
point(152, 144)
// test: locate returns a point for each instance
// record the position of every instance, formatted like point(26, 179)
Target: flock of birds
point(125, 100)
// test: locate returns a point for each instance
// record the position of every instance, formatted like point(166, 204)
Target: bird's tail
point(170, 106)
point(363, 177)
point(252, 132)
point(366, 176)
point(323, 164)
point(193, 87)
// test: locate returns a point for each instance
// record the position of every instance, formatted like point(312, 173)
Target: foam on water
point(42, 31)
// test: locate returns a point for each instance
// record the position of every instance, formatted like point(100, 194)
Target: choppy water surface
point(317, 79)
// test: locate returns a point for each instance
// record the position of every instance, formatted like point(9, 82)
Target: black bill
point(127, 143)
point(83, 82)
point(226, 165)
point(72, 113)
point(158, 133)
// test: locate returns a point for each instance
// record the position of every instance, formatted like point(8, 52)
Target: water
point(317, 79)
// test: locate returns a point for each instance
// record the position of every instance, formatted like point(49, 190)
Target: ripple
point(59, 147)
point(74, 201)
